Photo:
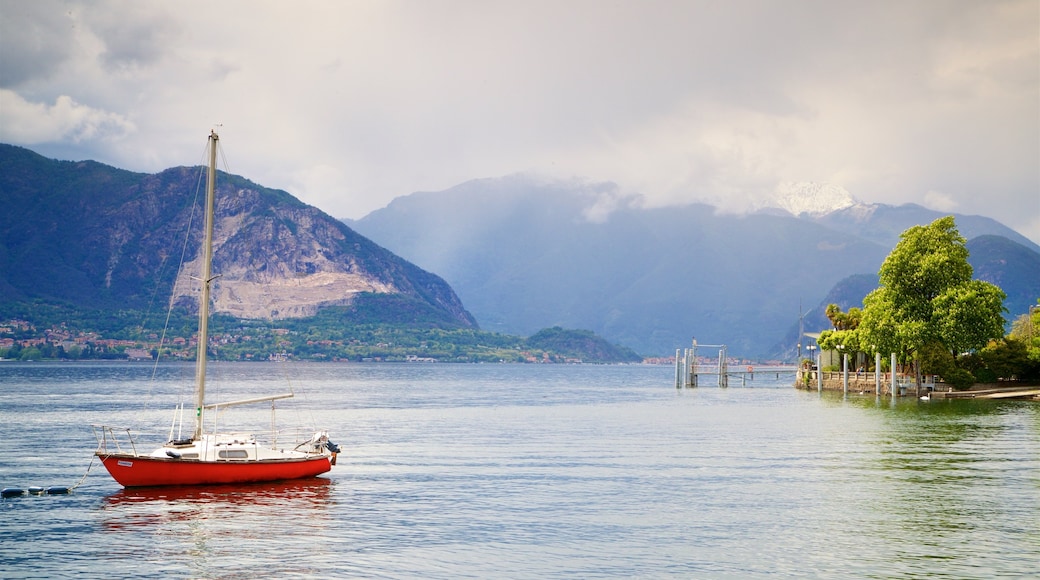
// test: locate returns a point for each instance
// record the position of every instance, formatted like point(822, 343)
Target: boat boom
point(248, 401)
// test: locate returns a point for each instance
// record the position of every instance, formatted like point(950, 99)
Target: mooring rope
point(80, 482)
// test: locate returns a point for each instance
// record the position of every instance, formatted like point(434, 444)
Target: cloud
point(35, 39)
point(136, 36)
point(349, 104)
point(65, 120)
point(940, 201)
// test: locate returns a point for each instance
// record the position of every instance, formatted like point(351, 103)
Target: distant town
point(22, 340)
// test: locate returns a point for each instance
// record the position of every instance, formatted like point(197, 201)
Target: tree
point(844, 336)
point(844, 320)
point(1007, 359)
point(1027, 328)
point(832, 312)
point(31, 353)
point(927, 297)
point(969, 316)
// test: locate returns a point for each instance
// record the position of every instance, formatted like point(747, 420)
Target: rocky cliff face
point(102, 237)
point(277, 261)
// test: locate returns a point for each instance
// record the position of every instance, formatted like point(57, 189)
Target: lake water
point(528, 471)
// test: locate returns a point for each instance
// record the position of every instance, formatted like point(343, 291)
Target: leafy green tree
point(844, 336)
point(832, 312)
point(968, 315)
point(935, 357)
point(927, 295)
point(31, 353)
point(844, 320)
point(1026, 328)
point(1007, 358)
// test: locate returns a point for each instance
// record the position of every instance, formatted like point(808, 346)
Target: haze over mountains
point(520, 254)
point(524, 254)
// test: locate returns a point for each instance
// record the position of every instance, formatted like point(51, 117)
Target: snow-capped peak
point(815, 199)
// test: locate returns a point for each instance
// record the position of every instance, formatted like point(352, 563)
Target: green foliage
point(928, 308)
point(31, 353)
point(580, 344)
point(960, 379)
point(926, 261)
point(1026, 329)
point(348, 333)
point(968, 315)
point(844, 340)
point(1009, 359)
point(880, 326)
point(974, 364)
point(927, 297)
point(935, 359)
point(389, 309)
point(844, 320)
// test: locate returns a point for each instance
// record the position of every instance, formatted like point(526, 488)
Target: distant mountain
point(847, 293)
point(95, 236)
point(835, 207)
point(526, 254)
point(1010, 265)
point(813, 199)
point(883, 223)
point(580, 345)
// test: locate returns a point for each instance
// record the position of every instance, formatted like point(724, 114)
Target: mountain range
point(516, 254)
point(95, 236)
point(525, 253)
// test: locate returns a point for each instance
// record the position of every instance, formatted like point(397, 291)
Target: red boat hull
point(143, 471)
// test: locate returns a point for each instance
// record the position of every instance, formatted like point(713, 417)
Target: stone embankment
point(864, 383)
point(867, 383)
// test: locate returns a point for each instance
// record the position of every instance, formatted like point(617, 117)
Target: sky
point(349, 104)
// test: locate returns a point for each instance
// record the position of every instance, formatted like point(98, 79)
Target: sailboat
point(208, 458)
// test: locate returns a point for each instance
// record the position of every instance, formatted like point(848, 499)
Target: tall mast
point(206, 279)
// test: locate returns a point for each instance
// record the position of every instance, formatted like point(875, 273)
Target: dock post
point(678, 369)
point(690, 366)
point(686, 367)
point(845, 373)
point(723, 368)
point(691, 361)
point(895, 393)
point(877, 374)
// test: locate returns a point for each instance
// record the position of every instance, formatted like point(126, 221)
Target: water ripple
point(477, 471)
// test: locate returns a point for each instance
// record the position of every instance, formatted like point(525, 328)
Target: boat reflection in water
point(315, 491)
point(222, 530)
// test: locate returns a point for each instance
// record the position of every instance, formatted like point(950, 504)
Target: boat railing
point(121, 440)
point(107, 438)
point(277, 438)
point(293, 437)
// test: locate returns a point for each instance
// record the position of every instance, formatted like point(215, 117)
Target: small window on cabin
point(189, 455)
point(233, 454)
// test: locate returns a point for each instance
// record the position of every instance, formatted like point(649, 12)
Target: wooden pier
point(689, 374)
